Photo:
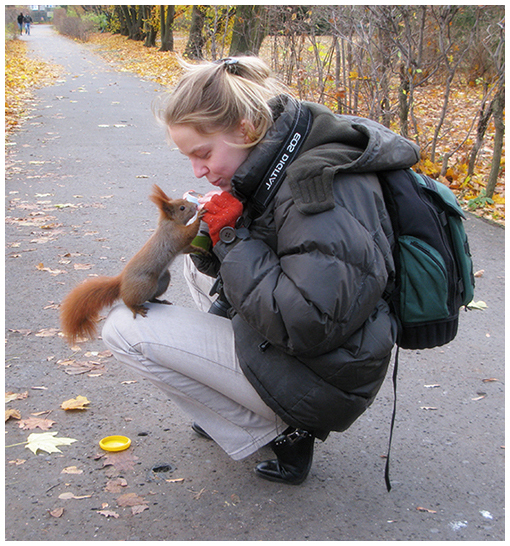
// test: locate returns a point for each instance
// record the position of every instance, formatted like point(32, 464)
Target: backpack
point(434, 270)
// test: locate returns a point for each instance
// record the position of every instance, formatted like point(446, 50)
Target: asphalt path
point(78, 175)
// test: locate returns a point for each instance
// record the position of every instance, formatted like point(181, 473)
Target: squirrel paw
point(139, 310)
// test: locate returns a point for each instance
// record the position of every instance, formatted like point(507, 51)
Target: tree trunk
point(498, 108)
point(167, 33)
point(403, 100)
point(131, 20)
point(196, 39)
point(124, 30)
point(249, 30)
point(483, 121)
point(386, 56)
point(149, 30)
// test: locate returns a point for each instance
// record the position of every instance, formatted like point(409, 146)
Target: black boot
point(294, 452)
point(200, 431)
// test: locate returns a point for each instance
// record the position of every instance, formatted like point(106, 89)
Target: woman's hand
point(222, 210)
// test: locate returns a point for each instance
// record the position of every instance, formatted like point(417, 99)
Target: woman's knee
point(114, 330)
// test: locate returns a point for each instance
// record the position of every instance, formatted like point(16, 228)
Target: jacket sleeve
point(318, 283)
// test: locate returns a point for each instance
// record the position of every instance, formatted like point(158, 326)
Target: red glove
point(222, 210)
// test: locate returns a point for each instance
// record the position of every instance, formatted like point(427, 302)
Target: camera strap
point(288, 152)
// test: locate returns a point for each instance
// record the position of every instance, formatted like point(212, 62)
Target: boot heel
point(294, 452)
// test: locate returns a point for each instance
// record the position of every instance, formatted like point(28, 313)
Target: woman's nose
point(199, 168)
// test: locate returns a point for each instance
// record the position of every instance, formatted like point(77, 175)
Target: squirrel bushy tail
point(79, 312)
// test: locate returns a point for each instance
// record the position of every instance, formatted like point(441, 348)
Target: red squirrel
point(145, 276)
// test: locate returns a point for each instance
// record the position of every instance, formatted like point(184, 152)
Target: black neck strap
point(287, 153)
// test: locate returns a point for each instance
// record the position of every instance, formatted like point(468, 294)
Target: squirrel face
point(184, 210)
point(181, 211)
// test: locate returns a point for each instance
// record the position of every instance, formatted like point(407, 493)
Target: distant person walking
point(27, 20)
point(20, 23)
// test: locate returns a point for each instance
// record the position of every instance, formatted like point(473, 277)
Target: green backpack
point(434, 270)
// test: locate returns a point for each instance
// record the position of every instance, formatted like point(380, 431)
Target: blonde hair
point(217, 96)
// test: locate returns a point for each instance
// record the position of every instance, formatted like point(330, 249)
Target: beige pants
point(189, 354)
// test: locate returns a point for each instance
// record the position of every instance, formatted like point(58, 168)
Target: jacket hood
point(364, 145)
point(335, 143)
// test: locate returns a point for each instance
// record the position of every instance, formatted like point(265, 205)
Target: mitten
point(222, 210)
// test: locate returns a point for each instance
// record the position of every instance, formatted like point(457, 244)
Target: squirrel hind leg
point(156, 300)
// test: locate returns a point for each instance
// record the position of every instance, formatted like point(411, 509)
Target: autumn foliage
point(22, 76)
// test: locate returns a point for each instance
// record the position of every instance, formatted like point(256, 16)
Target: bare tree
point(493, 48)
point(498, 113)
point(448, 45)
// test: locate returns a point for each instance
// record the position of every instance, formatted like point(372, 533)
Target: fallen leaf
point(108, 513)
point(14, 413)
point(139, 508)
point(68, 496)
point(80, 367)
point(479, 273)
point(47, 332)
point(65, 362)
point(115, 485)
point(46, 441)
point(122, 461)
point(130, 499)
point(175, 480)
point(57, 512)
point(489, 380)
point(17, 462)
point(81, 267)
point(22, 331)
point(480, 397)
point(72, 470)
point(421, 509)
point(54, 272)
point(10, 396)
point(36, 422)
point(235, 498)
point(477, 305)
point(77, 403)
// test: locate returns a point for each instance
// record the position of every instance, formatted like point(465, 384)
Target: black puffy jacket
point(313, 332)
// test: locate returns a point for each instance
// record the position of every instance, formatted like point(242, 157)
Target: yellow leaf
point(477, 305)
point(77, 403)
point(14, 413)
point(47, 441)
point(10, 396)
point(72, 470)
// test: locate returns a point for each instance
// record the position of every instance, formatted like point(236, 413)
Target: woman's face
point(212, 155)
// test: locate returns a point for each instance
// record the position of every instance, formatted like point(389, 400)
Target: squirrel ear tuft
point(159, 197)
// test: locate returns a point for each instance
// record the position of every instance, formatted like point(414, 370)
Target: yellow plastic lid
point(115, 443)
